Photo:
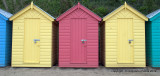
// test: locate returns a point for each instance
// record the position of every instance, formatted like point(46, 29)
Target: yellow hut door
point(125, 41)
point(31, 40)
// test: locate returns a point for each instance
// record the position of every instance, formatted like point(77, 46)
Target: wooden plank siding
point(2, 41)
point(111, 37)
point(152, 41)
point(5, 40)
point(65, 43)
point(66, 32)
point(111, 41)
point(47, 36)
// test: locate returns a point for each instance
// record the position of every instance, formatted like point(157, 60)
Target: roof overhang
point(125, 6)
point(30, 7)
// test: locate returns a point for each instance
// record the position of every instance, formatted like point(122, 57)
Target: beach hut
point(33, 37)
point(5, 38)
point(153, 39)
point(123, 42)
point(78, 37)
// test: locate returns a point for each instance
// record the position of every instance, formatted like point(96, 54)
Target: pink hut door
point(78, 41)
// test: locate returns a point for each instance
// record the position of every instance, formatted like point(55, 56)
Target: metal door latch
point(83, 41)
point(130, 41)
point(35, 40)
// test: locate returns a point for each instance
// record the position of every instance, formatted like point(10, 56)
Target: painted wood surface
point(31, 48)
point(125, 48)
point(29, 24)
point(5, 41)
point(78, 49)
point(122, 25)
point(76, 24)
point(152, 41)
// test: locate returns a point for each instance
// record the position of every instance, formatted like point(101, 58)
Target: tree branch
point(5, 4)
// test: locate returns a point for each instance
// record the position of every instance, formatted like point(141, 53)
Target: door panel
point(125, 47)
point(31, 49)
point(78, 32)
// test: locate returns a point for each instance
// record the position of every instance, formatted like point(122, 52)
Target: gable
point(79, 13)
point(31, 7)
point(79, 6)
point(125, 7)
point(31, 14)
point(124, 13)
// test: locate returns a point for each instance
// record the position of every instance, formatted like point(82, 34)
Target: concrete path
point(101, 71)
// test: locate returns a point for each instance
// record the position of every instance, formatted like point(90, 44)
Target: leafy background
point(100, 7)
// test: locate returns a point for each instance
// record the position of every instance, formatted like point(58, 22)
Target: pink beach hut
point(78, 37)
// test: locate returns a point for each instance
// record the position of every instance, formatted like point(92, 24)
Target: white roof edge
point(5, 13)
point(153, 13)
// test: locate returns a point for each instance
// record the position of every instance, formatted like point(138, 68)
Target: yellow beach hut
point(123, 38)
point(32, 38)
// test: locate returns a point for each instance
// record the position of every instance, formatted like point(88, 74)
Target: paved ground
point(101, 71)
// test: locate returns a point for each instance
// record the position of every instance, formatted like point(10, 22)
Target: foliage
point(100, 7)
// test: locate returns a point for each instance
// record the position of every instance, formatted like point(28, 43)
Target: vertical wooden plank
point(31, 49)
point(125, 49)
point(79, 33)
point(84, 36)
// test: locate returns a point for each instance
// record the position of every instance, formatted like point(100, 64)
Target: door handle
point(130, 40)
point(35, 40)
point(83, 41)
